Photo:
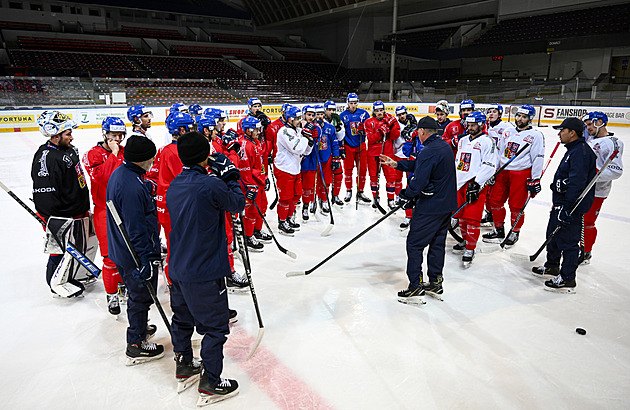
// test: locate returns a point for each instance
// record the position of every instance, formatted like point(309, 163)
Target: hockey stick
point(529, 196)
point(331, 225)
point(576, 204)
point(378, 180)
point(308, 272)
point(70, 247)
point(136, 259)
point(275, 187)
point(280, 247)
point(248, 272)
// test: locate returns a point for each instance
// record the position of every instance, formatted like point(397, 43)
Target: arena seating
point(15, 25)
point(30, 92)
point(129, 31)
point(201, 51)
point(182, 67)
point(246, 39)
point(430, 39)
point(52, 63)
point(304, 56)
point(65, 44)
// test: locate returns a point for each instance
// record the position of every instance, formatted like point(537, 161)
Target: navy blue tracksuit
point(433, 170)
point(133, 202)
point(576, 169)
point(198, 263)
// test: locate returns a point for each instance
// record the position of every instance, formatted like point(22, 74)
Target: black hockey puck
point(581, 331)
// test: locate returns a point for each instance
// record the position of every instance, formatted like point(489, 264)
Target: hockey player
point(328, 150)
point(353, 119)
point(197, 203)
point(577, 168)
point(177, 107)
point(309, 166)
point(271, 133)
point(140, 118)
point(520, 177)
point(456, 129)
point(603, 144)
point(442, 110)
point(331, 116)
point(170, 166)
point(475, 163)
point(381, 130)
point(195, 110)
point(59, 189)
point(136, 208)
point(255, 110)
point(253, 176)
point(293, 143)
point(99, 162)
point(407, 123)
point(432, 192)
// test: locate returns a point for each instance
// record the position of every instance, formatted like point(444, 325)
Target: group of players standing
point(302, 152)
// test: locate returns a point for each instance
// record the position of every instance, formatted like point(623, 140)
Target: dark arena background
point(337, 338)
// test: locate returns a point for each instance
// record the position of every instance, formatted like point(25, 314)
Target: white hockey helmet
point(52, 123)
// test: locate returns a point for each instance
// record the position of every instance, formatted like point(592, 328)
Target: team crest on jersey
point(43, 168)
point(68, 161)
point(528, 138)
point(477, 146)
point(323, 142)
point(80, 175)
point(511, 149)
point(354, 128)
point(464, 162)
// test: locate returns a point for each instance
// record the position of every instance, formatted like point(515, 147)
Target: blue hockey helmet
point(252, 101)
point(195, 109)
point(527, 110)
point(319, 109)
point(284, 107)
point(177, 120)
point(466, 104)
point(497, 107)
point(596, 115)
point(206, 122)
point(401, 109)
point(308, 108)
point(378, 105)
point(352, 97)
point(293, 112)
point(330, 105)
point(250, 123)
point(178, 107)
point(114, 124)
point(137, 111)
point(54, 122)
point(476, 117)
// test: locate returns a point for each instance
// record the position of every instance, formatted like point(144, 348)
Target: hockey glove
point(252, 191)
point(307, 132)
point(335, 164)
point(407, 133)
point(559, 185)
point(270, 160)
point(404, 201)
point(428, 191)
point(533, 186)
point(336, 121)
point(148, 268)
point(267, 184)
point(229, 136)
point(390, 120)
point(563, 215)
point(222, 167)
point(262, 117)
point(342, 151)
point(472, 192)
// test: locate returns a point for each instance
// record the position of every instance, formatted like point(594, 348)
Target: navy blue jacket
point(577, 168)
point(137, 210)
point(434, 165)
point(197, 203)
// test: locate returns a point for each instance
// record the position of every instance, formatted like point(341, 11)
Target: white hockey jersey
point(533, 157)
point(475, 159)
point(603, 148)
point(291, 147)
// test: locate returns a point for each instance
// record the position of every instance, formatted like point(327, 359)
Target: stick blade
point(261, 333)
point(326, 231)
point(290, 254)
point(295, 273)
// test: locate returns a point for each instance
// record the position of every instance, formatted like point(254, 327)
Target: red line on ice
point(280, 383)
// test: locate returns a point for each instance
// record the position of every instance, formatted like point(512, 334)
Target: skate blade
point(457, 252)
point(206, 399)
point(497, 240)
point(414, 300)
point(255, 250)
point(238, 290)
point(435, 295)
point(183, 384)
point(543, 276)
point(233, 320)
point(286, 234)
point(466, 265)
point(560, 290)
point(133, 361)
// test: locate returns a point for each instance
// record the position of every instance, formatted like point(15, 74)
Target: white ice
point(337, 338)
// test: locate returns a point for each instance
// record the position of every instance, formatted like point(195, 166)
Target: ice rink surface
point(337, 338)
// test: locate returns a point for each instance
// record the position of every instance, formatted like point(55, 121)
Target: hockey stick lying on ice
point(529, 196)
point(451, 228)
point(331, 225)
point(134, 255)
point(308, 272)
point(275, 187)
point(576, 204)
point(70, 247)
point(378, 180)
point(240, 237)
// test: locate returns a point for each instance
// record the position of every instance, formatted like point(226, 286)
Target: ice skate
point(434, 289)
point(313, 208)
point(412, 296)
point(305, 215)
point(263, 237)
point(294, 225)
point(586, 260)
point(138, 353)
point(223, 390)
point(348, 196)
point(253, 245)
point(285, 228)
point(186, 372)
point(405, 224)
point(375, 202)
point(113, 304)
point(487, 221)
point(122, 294)
point(364, 200)
point(337, 201)
point(467, 258)
point(496, 236)
point(544, 272)
point(233, 314)
point(151, 331)
point(236, 283)
point(323, 206)
point(459, 248)
point(511, 240)
point(391, 204)
point(559, 285)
